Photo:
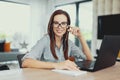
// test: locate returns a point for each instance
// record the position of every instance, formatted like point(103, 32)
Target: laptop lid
point(108, 52)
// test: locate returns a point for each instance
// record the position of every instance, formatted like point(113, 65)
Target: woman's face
point(59, 25)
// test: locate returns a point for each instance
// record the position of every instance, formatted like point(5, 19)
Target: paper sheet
point(68, 72)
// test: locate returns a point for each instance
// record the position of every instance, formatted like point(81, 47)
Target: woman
point(54, 49)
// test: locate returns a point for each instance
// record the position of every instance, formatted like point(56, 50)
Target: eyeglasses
point(62, 24)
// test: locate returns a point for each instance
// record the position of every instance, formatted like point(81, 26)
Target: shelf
point(8, 56)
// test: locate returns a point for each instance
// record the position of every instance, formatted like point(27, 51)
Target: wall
point(38, 19)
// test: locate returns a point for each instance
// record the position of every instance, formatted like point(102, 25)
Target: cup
point(7, 47)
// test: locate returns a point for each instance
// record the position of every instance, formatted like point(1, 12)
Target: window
point(14, 18)
point(85, 20)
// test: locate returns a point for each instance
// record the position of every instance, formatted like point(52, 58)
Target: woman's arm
point(76, 31)
point(85, 48)
point(31, 63)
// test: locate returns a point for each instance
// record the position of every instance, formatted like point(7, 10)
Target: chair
point(19, 57)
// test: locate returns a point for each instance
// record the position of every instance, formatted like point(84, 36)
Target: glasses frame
point(62, 24)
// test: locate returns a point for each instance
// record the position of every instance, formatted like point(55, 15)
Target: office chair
point(19, 57)
point(4, 67)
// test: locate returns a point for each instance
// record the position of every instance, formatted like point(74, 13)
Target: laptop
point(106, 57)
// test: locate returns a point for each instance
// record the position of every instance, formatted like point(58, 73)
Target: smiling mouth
point(59, 31)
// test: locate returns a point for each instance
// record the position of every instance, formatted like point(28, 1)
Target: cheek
point(65, 30)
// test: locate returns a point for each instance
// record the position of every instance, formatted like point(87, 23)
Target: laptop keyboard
point(86, 64)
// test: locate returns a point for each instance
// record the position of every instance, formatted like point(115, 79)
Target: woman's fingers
point(72, 68)
point(74, 30)
point(69, 65)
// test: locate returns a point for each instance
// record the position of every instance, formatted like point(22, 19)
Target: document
point(68, 72)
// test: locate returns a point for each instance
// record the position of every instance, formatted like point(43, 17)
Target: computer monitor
point(108, 25)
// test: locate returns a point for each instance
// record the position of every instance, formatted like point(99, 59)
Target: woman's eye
point(64, 23)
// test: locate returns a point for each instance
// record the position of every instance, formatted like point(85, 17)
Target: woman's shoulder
point(45, 38)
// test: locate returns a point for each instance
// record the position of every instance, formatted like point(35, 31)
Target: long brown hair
point(52, 35)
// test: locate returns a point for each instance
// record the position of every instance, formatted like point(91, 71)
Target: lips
point(59, 31)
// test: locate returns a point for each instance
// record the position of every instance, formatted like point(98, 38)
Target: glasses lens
point(55, 23)
point(64, 24)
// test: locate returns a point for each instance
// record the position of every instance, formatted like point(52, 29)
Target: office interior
point(24, 25)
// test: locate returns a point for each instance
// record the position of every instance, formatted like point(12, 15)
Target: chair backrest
point(19, 57)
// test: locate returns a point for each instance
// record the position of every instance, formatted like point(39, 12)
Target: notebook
point(106, 57)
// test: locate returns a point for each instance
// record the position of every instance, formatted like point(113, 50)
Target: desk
point(111, 73)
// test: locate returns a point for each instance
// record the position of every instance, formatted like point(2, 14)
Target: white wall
point(38, 19)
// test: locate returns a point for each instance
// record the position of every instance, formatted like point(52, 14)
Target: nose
point(59, 26)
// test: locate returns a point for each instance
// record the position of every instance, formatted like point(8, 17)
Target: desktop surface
point(110, 73)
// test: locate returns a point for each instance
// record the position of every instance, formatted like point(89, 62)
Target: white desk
point(111, 73)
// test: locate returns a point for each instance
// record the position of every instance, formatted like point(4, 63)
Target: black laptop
point(106, 57)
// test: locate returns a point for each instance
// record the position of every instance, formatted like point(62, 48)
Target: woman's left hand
point(75, 31)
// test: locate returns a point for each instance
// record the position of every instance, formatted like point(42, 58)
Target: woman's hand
point(75, 31)
point(69, 65)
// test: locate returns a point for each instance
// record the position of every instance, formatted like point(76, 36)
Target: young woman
point(54, 49)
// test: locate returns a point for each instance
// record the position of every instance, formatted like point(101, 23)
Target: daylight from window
point(85, 22)
point(14, 18)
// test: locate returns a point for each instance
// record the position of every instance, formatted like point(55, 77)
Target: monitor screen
point(108, 25)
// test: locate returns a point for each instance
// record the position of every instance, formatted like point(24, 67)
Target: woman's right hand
point(69, 65)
